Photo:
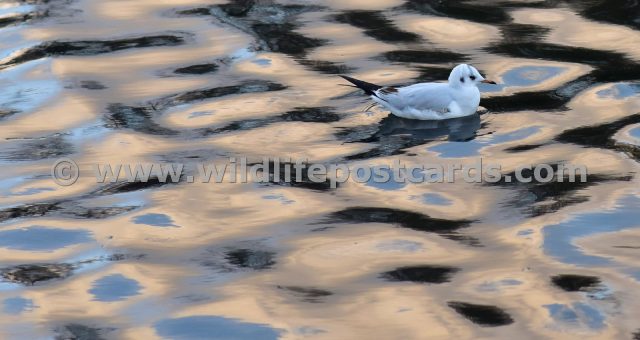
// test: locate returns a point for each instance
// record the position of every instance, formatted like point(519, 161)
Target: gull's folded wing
point(424, 96)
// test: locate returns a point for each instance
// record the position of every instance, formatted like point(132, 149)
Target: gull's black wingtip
point(368, 88)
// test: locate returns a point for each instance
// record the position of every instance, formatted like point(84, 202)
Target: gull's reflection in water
point(456, 129)
point(394, 134)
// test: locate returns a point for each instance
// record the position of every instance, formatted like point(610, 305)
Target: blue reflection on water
point(213, 327)
point(17, 305)
point(309, 330)
point(114, 287)
point(558, 237)
point(472, 148)
point(25, 93)
point(37, 238)
point(8, 10)
point(156, 220)
point(635, 132)
point(399, 246)
point(562, 313)
point(262, 62)
point(435, 199)
point(523, 76)
point(495, 286)
point(578, 314)
point(200, 114)
point(619, 91)
point(377, 182)
point(32, 191)
point(530, 75)
point(278, 197)
point(591, 316)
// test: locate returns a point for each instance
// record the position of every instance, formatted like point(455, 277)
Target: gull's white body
point(430, 101)
point(458, 97)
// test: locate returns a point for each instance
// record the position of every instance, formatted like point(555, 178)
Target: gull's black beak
point(487, 81)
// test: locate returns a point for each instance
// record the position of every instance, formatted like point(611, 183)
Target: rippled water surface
point(114, 81)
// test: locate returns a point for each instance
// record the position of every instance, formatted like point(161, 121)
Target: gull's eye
point(472, 77)
point(462, 79)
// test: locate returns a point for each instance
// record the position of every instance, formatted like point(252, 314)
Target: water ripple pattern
point(108, 81)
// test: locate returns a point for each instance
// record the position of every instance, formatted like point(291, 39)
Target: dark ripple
point(92, 47)
point(238, 8)
point(42, 2)
point(405, 219)
point(326, 67)
point(16, 19)
point(92, 85)
point(250, 258)
point(61, 208)
point(243, 257)
point(377, 26)
point(575, 283)
point(555, 52)
point(140, 118)
point(197, 69)
point(282, 38)
point(483, 315)
point(122, 187)
point(251, 86)
point(622, 12)
point(78, 331)
point(308, 294)
point(4, 113)
point(97, 212)
point(549, 100)
point(198, 11)
point(45, 9)
point(392, 146)
point(421, 274)
point(28, 210)
point(85, 84)
point(600, 136)
point(52, 146)
point(424, 56)
point(242, 125)
point(29, 274)
point(525, 101)
point(305, 182)
point(540, 198)
point(517, 33)
point(460, 10)
point(264, 11)
point(522, 148)
point(323, 114)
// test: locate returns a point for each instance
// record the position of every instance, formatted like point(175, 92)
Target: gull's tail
point(368, 88)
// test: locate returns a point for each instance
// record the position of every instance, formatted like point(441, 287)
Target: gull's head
point(466, 75)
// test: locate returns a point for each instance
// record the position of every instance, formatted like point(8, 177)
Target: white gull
point(458, 97)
